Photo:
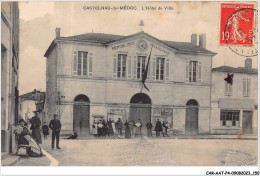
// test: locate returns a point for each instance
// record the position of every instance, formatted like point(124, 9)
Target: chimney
point(194, 39)
point(248, 63)
point(202, 41)
point(57, 32)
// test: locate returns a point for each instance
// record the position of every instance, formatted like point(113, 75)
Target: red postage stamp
point(237, 23)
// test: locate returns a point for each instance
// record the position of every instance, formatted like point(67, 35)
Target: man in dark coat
point(35, 127)
point(149, 127)
point(110, 128)
point(119, 126)
point(158, 127)
point(55, 126)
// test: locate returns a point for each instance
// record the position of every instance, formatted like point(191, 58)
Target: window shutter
point(187, 71)
point(154, 68)
point(148, 71)
point(135, 68)
point(115, 66)
point(167, 70)
point(75, 62)
point(248, 86)
point(244, 87)
point(129, 67)
point(90, 65)
point(199, 71)
point(230, 89)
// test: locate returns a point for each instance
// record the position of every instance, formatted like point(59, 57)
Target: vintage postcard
point(171, 83)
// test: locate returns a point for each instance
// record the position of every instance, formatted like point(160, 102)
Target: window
point(246, 87)
point(121, 66)
point(193, 71)
point(229, 118)
point(160, 69)
point(82, 63)
point(228, 89)
point(140, 66)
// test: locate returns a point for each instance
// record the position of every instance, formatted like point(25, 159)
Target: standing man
point(55, 126)
point(149, 127)
point(35, 127)
point(158, 127)
point(119, 126)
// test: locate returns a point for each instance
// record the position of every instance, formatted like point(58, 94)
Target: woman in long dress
point(24, 140)
point(95, 128)
point(127, 130)
point(138, 128)
point(35, 127)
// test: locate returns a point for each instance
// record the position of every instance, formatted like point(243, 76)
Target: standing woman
point(138, 128)
point(95, 129)
point(127, 130)
point(35, 127)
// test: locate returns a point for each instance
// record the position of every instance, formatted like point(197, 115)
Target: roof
point(235, 70)
point(30, 95)
point(95, 37)
point(106, 39)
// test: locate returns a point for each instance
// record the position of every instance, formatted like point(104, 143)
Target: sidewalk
point(9, 159)
point(181, 136)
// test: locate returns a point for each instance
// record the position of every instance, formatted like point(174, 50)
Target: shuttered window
point(140, 66)
point(160, 68)
point(82, 63)
point(228, 89)
point(121, 66)
point(193, 71)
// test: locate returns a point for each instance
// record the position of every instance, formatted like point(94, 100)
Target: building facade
point(235, 107)
point(99, 75)
point(9, 73)
point(29, 102)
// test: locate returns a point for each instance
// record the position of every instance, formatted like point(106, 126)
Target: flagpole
point(144, 76)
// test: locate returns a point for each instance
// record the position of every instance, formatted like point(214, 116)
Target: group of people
point(33, 138)
point(111, 129)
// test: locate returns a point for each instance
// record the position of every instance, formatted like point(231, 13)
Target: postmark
point(239, 29)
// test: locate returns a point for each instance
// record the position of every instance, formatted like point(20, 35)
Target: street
point(149, 152)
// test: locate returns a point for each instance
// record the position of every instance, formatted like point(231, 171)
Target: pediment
point(141, 43)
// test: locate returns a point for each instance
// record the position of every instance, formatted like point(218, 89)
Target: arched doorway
point(140, 108)
point(81, 115)
point(191, 122)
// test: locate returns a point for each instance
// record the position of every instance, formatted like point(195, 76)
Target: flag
point(229, 78)
point(146, 70)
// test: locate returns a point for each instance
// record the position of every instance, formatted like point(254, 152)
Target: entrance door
point(141, 112)
point(81, 115)
point(191, 122)
point(141, 109)
point(247, 122)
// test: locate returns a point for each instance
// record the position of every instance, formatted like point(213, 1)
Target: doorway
point(81, 115)
point(247, 122)
point(191, 121)
point(140, 108)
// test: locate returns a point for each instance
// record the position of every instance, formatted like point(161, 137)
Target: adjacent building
point(9, 73)
point(99, 75)
point(29, 102)
point(234, 106)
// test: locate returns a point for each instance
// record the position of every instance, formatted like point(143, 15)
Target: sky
point(38, 21)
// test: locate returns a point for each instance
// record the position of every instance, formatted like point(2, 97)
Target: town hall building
point(97, 75)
